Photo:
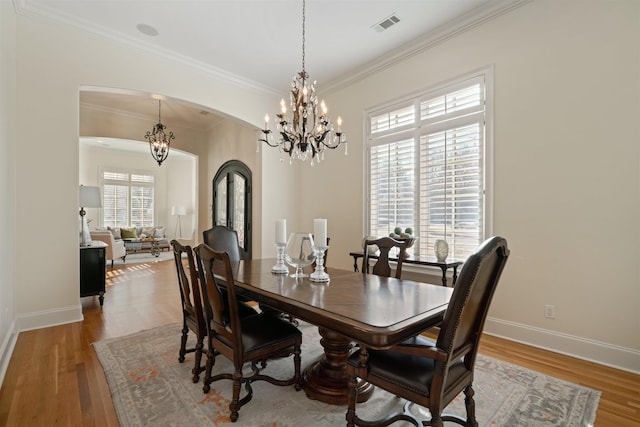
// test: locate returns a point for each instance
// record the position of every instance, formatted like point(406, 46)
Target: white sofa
point(116, 248)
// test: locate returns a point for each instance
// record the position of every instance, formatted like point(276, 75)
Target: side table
point(444, 266)
point(93, 270)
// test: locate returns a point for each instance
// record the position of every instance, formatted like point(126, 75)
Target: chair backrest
point(106, 237)
point(465, 316)
point(382, 266)
point(189, 283)
point(223, 239)
point(220, 308)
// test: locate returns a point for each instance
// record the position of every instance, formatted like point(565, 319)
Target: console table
point(444, 266)
point(93, 270)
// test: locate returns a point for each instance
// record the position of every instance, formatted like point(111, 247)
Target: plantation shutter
point(392, 186)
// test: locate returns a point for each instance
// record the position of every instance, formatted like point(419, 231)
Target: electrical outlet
point(550, 311)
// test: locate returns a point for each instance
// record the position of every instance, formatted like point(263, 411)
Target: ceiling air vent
point(386, 23)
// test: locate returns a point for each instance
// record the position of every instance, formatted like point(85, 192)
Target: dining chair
point(224, 239)
point(382, 266)
point(192, 314)
point(242, 340)
point(431, 374)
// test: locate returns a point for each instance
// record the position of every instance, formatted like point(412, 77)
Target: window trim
point(486, 73)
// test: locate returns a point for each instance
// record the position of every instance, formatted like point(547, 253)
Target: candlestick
point(280, 268)
point(319, 275)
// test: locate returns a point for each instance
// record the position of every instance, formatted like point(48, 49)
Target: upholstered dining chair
point(242, 340)
point(382, 266)
point(431, 374)
point(192, 314)
point(223, 239)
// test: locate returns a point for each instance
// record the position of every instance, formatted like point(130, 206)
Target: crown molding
point(488, 11)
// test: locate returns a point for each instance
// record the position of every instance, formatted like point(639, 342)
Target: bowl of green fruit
point(404, 236)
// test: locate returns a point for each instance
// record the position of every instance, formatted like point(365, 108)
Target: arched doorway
point(232, 202)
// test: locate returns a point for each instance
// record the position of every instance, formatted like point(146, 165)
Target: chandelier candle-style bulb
point(306, 133)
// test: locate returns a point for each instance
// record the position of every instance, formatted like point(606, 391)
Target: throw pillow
point(128, 233)
point(160, 233)
point(147, 231)
point(116, 233)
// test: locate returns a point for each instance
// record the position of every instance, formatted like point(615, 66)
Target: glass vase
point(441, 249)
point(299, 253)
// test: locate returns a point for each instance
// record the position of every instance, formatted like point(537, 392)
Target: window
point(427, 167)
point(232, 202)
point(128, 199)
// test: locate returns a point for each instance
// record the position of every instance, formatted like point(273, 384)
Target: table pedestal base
point(326, 380)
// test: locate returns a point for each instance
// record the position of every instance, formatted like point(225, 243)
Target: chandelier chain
point(303, 32)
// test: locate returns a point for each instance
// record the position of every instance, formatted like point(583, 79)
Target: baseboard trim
point(47, 318)
point(626, 359)
point(6, 350)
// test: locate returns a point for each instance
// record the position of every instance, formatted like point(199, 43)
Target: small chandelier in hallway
point(308, 132)
point(159, 140)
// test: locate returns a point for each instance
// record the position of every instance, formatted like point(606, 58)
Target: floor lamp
point(178, 211)
point(89, 197)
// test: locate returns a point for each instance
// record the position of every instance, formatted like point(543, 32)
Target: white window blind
point(427, 168)
point(128, 199)
point(392, 190)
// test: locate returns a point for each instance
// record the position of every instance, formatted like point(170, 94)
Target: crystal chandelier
point(308, 132)
point(159, 140)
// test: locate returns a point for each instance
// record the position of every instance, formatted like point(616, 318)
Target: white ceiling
point(259, 42)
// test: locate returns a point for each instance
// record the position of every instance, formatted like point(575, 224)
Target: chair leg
point(183, 343)
point(235, 404)
point(296, 367)
point(211, 359)
point(196, 366)
point(471, 406)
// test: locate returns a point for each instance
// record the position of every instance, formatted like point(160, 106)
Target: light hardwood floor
point(55, 379)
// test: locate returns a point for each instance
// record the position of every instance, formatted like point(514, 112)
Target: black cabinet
point(93, 270)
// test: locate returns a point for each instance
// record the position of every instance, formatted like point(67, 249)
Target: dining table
point(352, 308)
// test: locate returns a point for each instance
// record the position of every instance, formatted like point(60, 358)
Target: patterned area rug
point(150, 388)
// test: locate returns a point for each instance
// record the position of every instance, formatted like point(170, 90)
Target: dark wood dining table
point(352, 308)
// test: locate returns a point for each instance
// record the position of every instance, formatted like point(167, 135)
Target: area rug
point(150, 388)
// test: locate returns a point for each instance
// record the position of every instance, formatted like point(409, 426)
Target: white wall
point(567, 168)
point(7, 183)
